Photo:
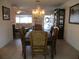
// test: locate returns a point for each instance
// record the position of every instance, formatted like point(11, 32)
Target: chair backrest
point(56, 30)
point(22, 36)
point(38, 27)
point(38, 38)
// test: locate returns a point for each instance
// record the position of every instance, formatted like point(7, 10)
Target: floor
point(13, 51)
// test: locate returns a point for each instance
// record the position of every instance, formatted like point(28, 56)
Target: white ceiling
point(28, 5)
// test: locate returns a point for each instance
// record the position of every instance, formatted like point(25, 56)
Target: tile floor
point(13, 51)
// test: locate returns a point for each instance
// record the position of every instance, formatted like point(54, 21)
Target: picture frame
point(74, 14)
point(5, 13)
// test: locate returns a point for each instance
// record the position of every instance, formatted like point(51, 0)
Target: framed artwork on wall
point(74, 14)
point(5, 13)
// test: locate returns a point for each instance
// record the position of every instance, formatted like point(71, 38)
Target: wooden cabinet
point(59, 16)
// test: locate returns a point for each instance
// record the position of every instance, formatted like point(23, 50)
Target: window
point(48, 21)
point(23, 18)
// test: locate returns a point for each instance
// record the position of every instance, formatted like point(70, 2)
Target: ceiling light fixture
point(19, 11)
point(38, 11)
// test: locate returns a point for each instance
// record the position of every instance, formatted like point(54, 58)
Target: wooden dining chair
point(38, 40)
point(54, 38)
point(23, 40)
point(23, 32)
point(38, 27)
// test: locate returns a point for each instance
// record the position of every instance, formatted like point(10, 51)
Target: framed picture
point(5, 13)
point(74, 14)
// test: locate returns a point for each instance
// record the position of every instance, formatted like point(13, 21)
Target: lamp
point(19, 11)
point(38, 11)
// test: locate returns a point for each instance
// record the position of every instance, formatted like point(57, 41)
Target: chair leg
point(32, 56)
point(55, 50)
point(45, 56)
point(55, 47)
point(24, 52)
point(52, 50)
point(52, 53)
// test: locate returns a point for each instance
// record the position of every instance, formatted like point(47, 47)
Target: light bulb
point(18, 12)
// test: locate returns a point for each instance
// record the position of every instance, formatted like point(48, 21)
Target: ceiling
point(28, 5)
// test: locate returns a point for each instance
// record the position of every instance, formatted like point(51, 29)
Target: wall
point(71, 30)
point(39, 21)
point(5, 26)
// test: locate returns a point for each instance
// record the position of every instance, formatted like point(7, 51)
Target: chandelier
point(38, 11)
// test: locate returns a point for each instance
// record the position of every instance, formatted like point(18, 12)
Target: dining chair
point(23, 40)
point(54, 38)
point(38, 41)
point(38, 27)
point(23, 32)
